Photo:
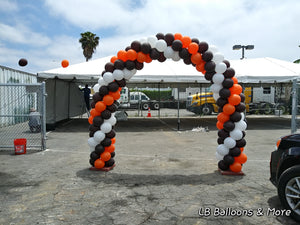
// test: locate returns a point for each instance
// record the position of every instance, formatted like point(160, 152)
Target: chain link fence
point(22, 115)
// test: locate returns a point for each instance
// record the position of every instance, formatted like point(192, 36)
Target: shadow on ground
point(133, 180)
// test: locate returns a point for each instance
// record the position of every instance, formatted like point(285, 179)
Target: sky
point(45, 32)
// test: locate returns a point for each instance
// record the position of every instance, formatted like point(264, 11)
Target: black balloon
point(136, 46)
point(94, 155)
point(91, 133)
point(160, 36)
point(210, 66)
point(92, 162)
point(229, 73)
point(154, 54)
point(196, 40)
point(184, 53)
point(121, 83)
point(177, 45)
point(162, 57)
point(130, 65)
point(106, 142)
point(99, 149)
point(103, 90)
point(112, 108)
point(222, 165)
point(127, 48)
point(106, 114)
point(243, 97)
point(244, 133)
point(223, 133)
point(113, 86)
point(187, 61)
point(139, 65)
point(146, 48)
point(227, 63)
point(236, 151)
point(203, 46)
point(109, 67)
point(94, 128)
point(224, 93)
point(97, 97)
point(113, 154)
point(235, 117)
point(97, 121)
point(241, 143)
point(111, 134)
point(209, 75)
point(110, 162)
point(119, 64)
point(240, 107)
point(169, 38)
point(93, 104)
point(228, 159)
point(227, 83)
point(207, 56)
point(229, 126)
point(220, 140)
point(23, 62)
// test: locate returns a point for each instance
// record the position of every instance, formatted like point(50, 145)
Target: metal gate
point(23, 115)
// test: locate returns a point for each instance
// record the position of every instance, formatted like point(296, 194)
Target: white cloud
point(8, 6)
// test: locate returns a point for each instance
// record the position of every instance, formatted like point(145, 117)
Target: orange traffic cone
point(149, 112)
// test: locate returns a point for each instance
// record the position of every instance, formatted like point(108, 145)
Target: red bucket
point(20, 146)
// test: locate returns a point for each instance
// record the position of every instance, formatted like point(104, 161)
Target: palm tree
point(298, 60)
point(89, 42)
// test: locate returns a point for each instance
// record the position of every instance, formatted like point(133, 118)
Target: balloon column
point(206, 59)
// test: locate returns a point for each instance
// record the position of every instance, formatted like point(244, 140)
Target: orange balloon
point(186, 40)
point(108, 100)
point(110, 148)
point(220, 125)
point(234, 99)
point(177, 36)
point(235, 80)
point(131, 54)
point(91, 119)
point(116, 95)
point(99, 163)
point(148, 59)
point(94, 112)
point(242, 158)
point(196, 58)
point(200, 66)
point(242, 149)
point(141, 57)
point(100, 106)
point(193, 48)
point(65, 63)
point(105, 156)
point(120, 88)
point(235, 167)
point(236, 89)
point(113, 59)
point(122, 55)
point(228, 109)
point(222, 117)
point(113, 140)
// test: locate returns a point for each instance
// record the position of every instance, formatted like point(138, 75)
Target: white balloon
point(106, 127)
point(152, 41)
point(169, 52)
point(99, 136)
point(229, 142)
point(215, 88)
point(118, 74)
point(127, 74)
point(222, 150)
point(176, 56)
point(219, 157)
point(101, 82)
point(213, 49)
point(236, 134)
point(92, 142)
point(218, 78)
point(161, 45)
point(143, 40)
point(220, 67)
point(112, 120)
point(216, 96)
point(243, 116)
point(96, 87)
point(218, 57)
point(241, 125)
point(108, 77)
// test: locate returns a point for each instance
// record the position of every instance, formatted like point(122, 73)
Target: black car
point(285, 173)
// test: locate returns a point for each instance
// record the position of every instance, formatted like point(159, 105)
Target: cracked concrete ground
point(162, 176)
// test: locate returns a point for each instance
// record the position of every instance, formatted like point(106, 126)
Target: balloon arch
point(206, 59)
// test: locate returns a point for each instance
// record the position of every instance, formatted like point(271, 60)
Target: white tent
point(258, 70)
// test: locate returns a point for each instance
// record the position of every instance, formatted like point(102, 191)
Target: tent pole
point(178, 118)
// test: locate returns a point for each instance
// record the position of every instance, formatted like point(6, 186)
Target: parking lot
point(162, 176)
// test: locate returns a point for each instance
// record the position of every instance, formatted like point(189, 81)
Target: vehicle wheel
point(206, 109)
point(145, 106)
point(156, 106)
point(289, 191)
point(282, 108)
point(266, 108)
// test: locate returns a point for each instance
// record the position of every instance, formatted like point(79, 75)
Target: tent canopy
point(258, 70)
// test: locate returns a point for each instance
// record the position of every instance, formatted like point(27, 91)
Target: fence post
point(294, 107)
point(44, 94)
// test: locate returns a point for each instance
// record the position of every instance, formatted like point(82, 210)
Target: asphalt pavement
point(163, 175)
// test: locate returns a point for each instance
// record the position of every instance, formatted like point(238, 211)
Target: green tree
point(89, 43)
point(298, 60)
